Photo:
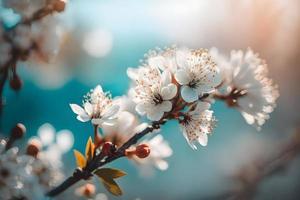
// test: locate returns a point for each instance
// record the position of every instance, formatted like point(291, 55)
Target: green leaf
point(107, 176)
point(110, 173)
point(80, 160)
point(111, 186)
point(89, 149)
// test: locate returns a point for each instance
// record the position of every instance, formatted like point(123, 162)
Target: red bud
point(142, 151)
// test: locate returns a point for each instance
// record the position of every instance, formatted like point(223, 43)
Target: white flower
point(197, 73)
point(47, 35)
point(125, 126)
point(97, 107)
point(54, 144)
point(197, 124)
point(26, 8)
point(17, 179)
point(153, 91)
point(43, 37)
point(247, 83)
point(126, 103)
point(163, 59)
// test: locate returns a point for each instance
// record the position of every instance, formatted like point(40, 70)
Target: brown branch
point(98, 161)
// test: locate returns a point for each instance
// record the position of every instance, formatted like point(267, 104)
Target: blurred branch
point(253, 174)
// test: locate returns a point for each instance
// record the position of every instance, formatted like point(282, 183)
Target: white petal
point(109, 122)
point(157, 61)
point(182, 77)
point(201, 106)
point(182, 56)
point(141, 108)
point(46, 134)
point(88, 108)
point(169, 92)
point(126, 122)
point(165, 106)
point(155, 115)
point(249, 118)
point(132, 73)
point(83, 118)
point(189, 94)
point(161, 165)
point(203, 138)
point(98, 89)
point(77, 109)
point(65, 140)
point(111, 111)
point(166, 77)
point(97, 121)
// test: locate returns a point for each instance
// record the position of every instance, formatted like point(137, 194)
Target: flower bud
point(18, 131)
point(88, 190)
point(33, 148)
point(142, 151)
point(108, 148)
point(16, 83)
point(59, 5)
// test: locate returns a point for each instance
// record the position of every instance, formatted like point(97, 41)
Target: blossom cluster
point(170, 83)
point(28, 175)
point(181, 83)
point(33, 34)
point(246, 85)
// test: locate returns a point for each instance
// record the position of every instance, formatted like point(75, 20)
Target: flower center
point(186, 119)
point(193, 83)
point(234, 95)
point(157, 98)
point(4, 173)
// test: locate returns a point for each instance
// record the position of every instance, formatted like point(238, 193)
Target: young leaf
point(80, 160)
point(111, 186)
point(110, 173)
point(89, 149)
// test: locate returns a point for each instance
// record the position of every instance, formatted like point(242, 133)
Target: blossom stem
point(98, 160)
point(2, 84)
point(97, 137)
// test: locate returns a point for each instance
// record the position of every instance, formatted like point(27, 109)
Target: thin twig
point(98, 161)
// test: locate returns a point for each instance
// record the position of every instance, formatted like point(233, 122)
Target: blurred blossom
point(246, 85)
point(101, 196)
point(88, 190)
point(17, 179)
point(26, 8)
point(54, 144)
point(25, 177)
point(98, 43)
point(125, 126)
point(160, 150)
